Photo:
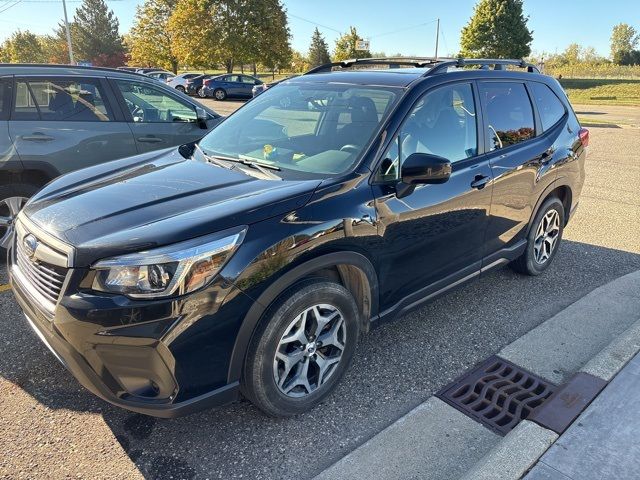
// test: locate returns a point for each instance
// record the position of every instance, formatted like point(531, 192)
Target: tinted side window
point(442, 123)
point(550, 108)
point(508, 112)
point(68, 100)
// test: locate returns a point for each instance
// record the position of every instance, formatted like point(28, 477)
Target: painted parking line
point(4, 288)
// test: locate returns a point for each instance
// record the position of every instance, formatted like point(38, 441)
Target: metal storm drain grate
point(497, 394)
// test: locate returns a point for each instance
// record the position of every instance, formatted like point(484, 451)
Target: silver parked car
point(55, 119)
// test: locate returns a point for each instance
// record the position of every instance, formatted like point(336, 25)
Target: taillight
point(584, 137)
point(206, 82)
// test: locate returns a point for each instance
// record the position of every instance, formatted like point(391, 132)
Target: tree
point(346, 46)
point(271, 28)
point(497, 29)
point(23, 47)
point(624, 39)
point(231, 32)
point(195, 37)
point(318, 50)
point(55, 47)
point(299, 63)
point(95, 35)
point(150, 41)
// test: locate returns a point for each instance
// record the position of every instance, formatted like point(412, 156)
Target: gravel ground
point(49, 426)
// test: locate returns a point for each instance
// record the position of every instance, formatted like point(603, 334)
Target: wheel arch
point(353, 270)
point(562, 191)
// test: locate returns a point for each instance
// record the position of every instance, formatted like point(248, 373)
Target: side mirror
point(202, 116)
point(422, 168)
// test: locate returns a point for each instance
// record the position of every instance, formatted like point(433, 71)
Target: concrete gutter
point(598, 334)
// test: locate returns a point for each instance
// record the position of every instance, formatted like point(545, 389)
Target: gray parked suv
point(58, 118)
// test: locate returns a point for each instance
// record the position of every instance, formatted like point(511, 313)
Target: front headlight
point(172, 270)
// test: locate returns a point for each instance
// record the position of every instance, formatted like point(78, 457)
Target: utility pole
point(66, 25)
point(437, 35)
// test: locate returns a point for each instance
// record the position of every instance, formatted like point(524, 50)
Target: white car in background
point(161, 75)
point(179, 82)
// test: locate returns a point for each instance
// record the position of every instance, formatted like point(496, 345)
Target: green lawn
point(604, 91)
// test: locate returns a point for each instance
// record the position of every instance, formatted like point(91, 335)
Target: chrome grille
point(45, 279)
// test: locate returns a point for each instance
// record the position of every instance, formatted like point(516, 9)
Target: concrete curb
point(598, 335)
point(514, 454)
point(521, 448)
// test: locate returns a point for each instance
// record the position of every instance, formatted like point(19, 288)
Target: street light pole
point(66, 26)
point(437, 36)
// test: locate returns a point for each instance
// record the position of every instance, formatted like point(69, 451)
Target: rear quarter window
point(550, 108)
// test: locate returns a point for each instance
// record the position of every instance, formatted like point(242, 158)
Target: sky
point(392, 26)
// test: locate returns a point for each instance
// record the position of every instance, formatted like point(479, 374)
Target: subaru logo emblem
point(30, 244)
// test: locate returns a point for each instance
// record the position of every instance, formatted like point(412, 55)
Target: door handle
point(480, 181)
point(150, 139)
point(37, 137)
point(547, 156)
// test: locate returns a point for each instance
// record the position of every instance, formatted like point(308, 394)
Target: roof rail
point(66, 65)
point(418, 62)
point(498, 64)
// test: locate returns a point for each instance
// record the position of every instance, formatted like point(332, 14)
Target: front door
point(61, 124)
point(158, 118)
point(435, 235)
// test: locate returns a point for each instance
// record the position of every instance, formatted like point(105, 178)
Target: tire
point(180, 88)
point(219, 94)
point(200, 92)
point(267, 383)
point(12, 197)
point(543, 240)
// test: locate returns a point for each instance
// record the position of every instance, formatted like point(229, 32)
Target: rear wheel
point(543, 240)
point(180, 88)
point(301, 348)
point(12, 199)
point(219, 94)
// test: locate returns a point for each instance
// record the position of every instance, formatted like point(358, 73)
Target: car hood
point(155, 199)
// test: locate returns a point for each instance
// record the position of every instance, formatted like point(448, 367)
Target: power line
point(11, 5)
point(403, 29)
point(313, 23)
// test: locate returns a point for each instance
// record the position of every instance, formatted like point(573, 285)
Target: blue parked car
point(231, 85)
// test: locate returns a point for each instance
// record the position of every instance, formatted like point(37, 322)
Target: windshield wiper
point(221, 161)
point(209, 158)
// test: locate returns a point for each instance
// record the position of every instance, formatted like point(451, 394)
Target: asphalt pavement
point(52, 427)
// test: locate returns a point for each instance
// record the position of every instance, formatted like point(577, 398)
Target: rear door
point(158, 118)
point(520, 161)
point(59, 124)
point(247, 85)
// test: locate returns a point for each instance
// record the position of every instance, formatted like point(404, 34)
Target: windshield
point(306, 130)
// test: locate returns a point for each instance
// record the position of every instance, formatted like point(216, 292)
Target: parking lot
point(54, 428)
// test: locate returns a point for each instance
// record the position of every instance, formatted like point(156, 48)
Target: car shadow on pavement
point(397, 367)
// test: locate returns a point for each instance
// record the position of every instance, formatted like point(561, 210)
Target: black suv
point(251, 261)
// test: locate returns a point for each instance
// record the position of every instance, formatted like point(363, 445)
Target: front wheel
point(180, 88)
point(12, 199)
point(301, 349)
point(543, 240)
point(201, 92)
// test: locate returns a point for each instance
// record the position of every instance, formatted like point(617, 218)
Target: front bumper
point(134, 372)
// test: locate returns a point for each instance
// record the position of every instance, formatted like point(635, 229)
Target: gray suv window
point(149, 104)
point(51, 99)
point(4, 98)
